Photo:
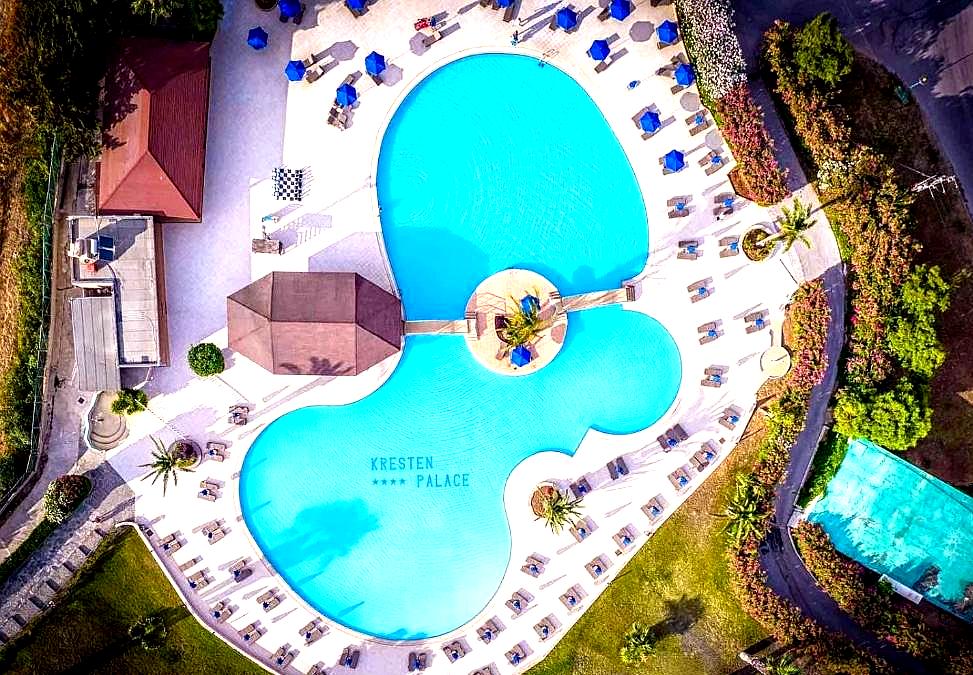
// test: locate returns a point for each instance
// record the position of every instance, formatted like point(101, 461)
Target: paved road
point(911, 38)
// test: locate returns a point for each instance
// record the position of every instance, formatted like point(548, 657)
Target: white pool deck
point(259, 121)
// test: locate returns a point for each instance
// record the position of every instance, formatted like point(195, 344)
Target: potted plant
point(754, 243)
point(558, 509)
point(524, 325)
point(266, 5)
point(760, 244)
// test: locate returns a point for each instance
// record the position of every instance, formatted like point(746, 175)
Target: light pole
point(923, 80)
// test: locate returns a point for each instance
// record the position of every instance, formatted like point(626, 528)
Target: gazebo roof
point(314, 323)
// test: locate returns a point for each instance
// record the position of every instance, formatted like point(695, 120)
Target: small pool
point(387, 515)
point(898, 520)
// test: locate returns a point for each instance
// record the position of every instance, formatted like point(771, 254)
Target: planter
point(187, 449)
point(266, 5)
point(540, 496)
point(750, 243)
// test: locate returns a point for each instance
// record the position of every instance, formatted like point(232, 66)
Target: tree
point(925, 292)
point(524, 324)
point(821, 51)
point(169, 462)
point(149, 632)
point(198, 16)
point(896, 419)
point(63, 495)
point(206, 359)
point(558, 509)
point(743, 512)
point(129, 402)
point(781, 665)
point(917, 346)
point(793, 224)
point(638, 644)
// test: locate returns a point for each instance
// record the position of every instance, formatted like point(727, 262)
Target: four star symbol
point(388, 481)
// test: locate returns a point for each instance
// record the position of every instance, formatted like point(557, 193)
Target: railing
point(12, 495)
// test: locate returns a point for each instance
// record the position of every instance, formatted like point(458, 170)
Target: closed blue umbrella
point(599, 50)
point(529, 303)
point(668, 32)
point(566, 18)
point(289, 8)
point(520, 356)
point(650, 121)
point(684, 74)
point(504, 3)
point(357, 5)
point(674, 160)
point(295, 71)
point(346, 95)
point(375, 64)
point(620, 9)
point(257, 38)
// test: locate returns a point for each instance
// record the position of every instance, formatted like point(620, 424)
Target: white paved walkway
point(258, 121)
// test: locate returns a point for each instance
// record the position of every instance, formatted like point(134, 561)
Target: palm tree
point(129, 402)
point(743, 511)
point(639, 643)
point(793, 224)
point(558, 509)
point(781, 665)
point(167, 462)
point(523, 325)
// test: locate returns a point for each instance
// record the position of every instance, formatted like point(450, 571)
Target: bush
point(743, 127)
point(638, 644)
point(149, 632)
point(915, 343)
point(810, 317)
point(821, 51)
point(709, 34)
point(63, 495)
point(896, 419)
point(206, 359)
point(129, 402)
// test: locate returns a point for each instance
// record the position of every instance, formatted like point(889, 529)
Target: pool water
point(898, 520)
point(387, 514)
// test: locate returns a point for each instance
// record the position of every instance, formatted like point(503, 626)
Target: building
point(119, 320)
point(154, 147)
point(314, 323)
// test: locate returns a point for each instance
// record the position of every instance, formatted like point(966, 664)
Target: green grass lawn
point(679, 577)
point(88, 630)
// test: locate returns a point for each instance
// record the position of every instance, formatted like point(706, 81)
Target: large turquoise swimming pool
point(387, 515)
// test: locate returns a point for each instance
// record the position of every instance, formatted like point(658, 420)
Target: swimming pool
point(895, 518)
point(387, 515)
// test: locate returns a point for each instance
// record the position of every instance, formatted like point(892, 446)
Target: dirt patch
point(945, 230)
point(13, 235)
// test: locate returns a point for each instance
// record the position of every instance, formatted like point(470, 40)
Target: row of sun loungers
point(250, 633)
point(221, 611)
point(625, 537)
point(699, 290)
point(714, 377)
point(713, 162)
point(702, 457)
point(454, 651)
point(488, 631)
point(240, 570)
point(518, 602)
point(572, 598)
point(170, 544)
point(198, 580)
point(672, 437)
point(597, 567)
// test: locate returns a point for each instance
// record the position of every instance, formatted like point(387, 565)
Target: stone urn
point(185, 448)
point(752, 244)
point(540, 496)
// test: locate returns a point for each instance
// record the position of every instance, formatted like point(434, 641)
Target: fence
point(11, 497)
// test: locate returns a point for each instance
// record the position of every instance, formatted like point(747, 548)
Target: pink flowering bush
point(743, 128)
point(810, 317)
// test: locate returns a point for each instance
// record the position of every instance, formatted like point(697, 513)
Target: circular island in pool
point(387, 514)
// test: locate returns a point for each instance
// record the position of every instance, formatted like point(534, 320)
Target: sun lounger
point(251, 633)
point(172, 546)
point(533, 569)
point(545, 628)
point(216, 450)
point(313, 74)
point(706, 327)
point(516, 655)
point(264, 597)
point(676, 213)
point(454, 651)
point(714, 370)
point(686, 255)
point(215, 536)
point(688, 242)
point(664, 444)
point(488, 631)
point(676, 88)
point(654, 508)
point(208, 484)
point(612, 471)
point(508, 15)
point(679, 433)
point(699, 127)
point(167, 539)
point(313, 635)
point(580, 531)
point(221, 611)
point(571, 599)
point(417, 661)
point(713, 168)
point(189, 563)
point(279, 654)
point(679, 479)
point(710, 337)
point(580, 488)
point(696, 285)
point(316, 669)
point(517, 603)
point(604, 14)
point(349, 658)
point(702, 295)
point(601, 66)
point(621, 466)
point(207, 495)
point(430, 40)
point(624, 538)
point(198, 581)
point(672, 201)
point(597, 567)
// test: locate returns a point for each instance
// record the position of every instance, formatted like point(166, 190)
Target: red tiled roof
point(314, 323)
point(157, 98)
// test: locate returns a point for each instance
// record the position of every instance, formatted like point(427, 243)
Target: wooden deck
point(615, 296)
point(440, 327)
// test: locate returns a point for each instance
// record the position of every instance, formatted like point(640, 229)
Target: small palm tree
point(793, 224)
point(167, 462)
point(638, 644)
point(558, 509)
point(129, 402)
point(523, 325)
point(743, 511)
point(781, 665)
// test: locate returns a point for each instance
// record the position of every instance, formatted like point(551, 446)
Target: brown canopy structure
point(152, 160)
point(314, 323)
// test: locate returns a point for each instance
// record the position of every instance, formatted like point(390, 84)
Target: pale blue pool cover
point(898, 520)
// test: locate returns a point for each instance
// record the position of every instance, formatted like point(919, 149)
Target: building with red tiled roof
point(156, 103)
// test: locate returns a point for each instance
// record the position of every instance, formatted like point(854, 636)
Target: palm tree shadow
point(681, 615)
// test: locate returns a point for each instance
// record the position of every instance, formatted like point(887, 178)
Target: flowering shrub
point(709, 32)
point(810, 317)
point(63, 495)
point(743, 128)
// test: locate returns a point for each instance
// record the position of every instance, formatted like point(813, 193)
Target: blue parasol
point(295, 71)
point(346, 96)
point(599, 50)
point(375, 64)
point(684, 74)
point(650, 121)
point(620, 9)
point(257, 38)
point(566, 18)
point(668, 32)
point(520, 356)
point(674, 160)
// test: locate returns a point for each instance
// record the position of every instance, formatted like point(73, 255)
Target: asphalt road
point(912, 38)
